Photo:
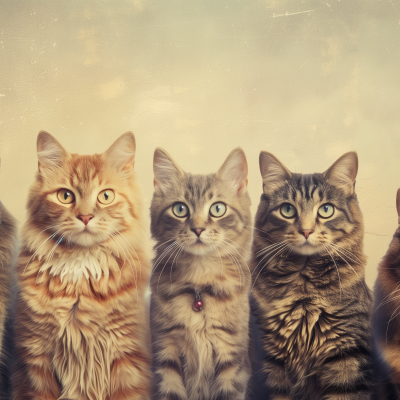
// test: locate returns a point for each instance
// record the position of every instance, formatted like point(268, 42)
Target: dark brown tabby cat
point(200, 286)
point(387, 308)
point(310, 296)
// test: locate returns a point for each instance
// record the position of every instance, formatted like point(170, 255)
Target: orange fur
point(82, 328)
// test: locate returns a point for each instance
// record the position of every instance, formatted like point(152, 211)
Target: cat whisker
point(175, 258)
point(155, 248)
point(164, 253)
point(51, 226)
point(270, 250)
point(36, 251)
point(351, 256)
point(176, 248)
point(138, 259)
point(237, 251)
point(386, 300)
point(114, 237)
point(277, 252)
point(340, 254)
point(337, 269)
point(260, 230)
point(392, 317)
point(116, 234)
point(222, 265)
point(161, 256)
point(234, 260)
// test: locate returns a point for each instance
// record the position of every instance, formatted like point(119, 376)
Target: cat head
point(200, 213)
point(310, 213)
point(84, 199)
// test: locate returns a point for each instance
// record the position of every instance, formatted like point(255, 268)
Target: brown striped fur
point(387, 305)
point(82, 329)
point(201, 355)
point(8, 239)
point(310, 296)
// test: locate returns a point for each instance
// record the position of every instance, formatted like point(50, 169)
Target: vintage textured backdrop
point(307, 80)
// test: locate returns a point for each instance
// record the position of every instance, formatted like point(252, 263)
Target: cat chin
point(86, 239)
point(307, 250)
point(199, 249)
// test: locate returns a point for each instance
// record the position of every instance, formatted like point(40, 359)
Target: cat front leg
point(168, 374)
point(347, 376)
point(130, 377)
point(277, 382)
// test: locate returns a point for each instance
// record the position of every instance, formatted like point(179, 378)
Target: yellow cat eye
point(65, 196)
point(106, 196)
point(288, 211)
point(326, 210)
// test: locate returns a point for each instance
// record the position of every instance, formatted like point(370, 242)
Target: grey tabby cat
point(200, 284)
point(310, 296)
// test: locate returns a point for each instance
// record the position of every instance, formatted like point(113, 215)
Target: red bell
point(198, 305)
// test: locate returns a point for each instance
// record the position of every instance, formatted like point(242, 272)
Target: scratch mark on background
point(287, 13)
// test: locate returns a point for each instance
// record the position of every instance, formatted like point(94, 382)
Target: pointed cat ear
point(273, 172)
point(398, 203)
point(234, 170)
point(343, 172)
point(165, 169)
point(122, 152)
point(50, 152)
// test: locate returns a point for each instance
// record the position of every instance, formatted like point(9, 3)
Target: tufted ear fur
point(234, 170)
point(50, 152)
point(273, 172)
point(122, 152)
point(165, 170)
point(343, 172)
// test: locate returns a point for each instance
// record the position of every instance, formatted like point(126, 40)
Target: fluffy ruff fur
point(82, 327)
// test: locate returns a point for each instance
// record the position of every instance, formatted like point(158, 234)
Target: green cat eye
point(218, 210)
point(180, 210)
point(326, 210)
point(288, 211)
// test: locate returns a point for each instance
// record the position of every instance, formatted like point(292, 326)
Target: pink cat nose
point(198, 231)
point(85, 218)
point(307, 232)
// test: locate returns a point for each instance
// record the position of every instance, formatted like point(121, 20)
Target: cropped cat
point(386, 308)
point(8, 245)
point(310, 296)
point(82, 329)
point(200, 284)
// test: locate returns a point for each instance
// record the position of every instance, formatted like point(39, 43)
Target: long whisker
point(176, 248)
point(390, 294)
point(337, 269)
point(234, 260)
point(275, 247)
point(155, 248)
point(277, 252)
point(237, 252)
point(130, 245)
point(340, 254)
point(267, 248)
point(36, 251)
point(392, 317)
point(350, 255)
point(116, 235)
point(160, 258)
point(175, 258)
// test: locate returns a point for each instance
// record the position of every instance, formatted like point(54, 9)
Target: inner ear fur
point(165, 169)
point(273, 172)
point(49, 151)
point(122, 152)
point(343, 172)
point(234, 170)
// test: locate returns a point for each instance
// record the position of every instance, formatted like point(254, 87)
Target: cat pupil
point(106, 195)
point(66, 195)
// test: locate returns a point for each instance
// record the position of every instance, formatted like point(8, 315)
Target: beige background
point(306, 80)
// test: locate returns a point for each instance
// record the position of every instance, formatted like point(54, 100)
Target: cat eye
point(326, 210)
point(65, 196)
point(180, 210)
point(288, 211)
point(106, 196)
point(218, 210)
